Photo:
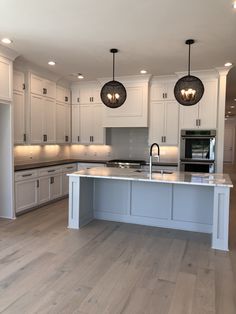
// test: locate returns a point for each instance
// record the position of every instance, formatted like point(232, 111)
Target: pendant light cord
point(189, 59)
point(113, 66)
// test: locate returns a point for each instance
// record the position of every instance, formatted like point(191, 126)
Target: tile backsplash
point(126, 143)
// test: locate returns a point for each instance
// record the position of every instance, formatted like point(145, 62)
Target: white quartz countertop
point(194, 178)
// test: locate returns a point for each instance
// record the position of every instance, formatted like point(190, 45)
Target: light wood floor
point(111, 268)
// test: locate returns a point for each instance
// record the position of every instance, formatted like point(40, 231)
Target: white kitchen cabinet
point(75, 94)
point(19, 117)
point(90, 123)
point(75, 123)
point(55, 186)
point(89, 93)
point(18, 81)
point(204, 114)
point(162, 90)
point(134, 111)
point(6, 79)
point(43, 190)
point(62, 123)
point(26, 194)
point(42, 120)
point(62, 95)
point(36, 119)
point(164, 123)
point(42, 87)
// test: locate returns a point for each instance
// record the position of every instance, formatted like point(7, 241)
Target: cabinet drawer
point(25, 175)
point(69, 168)
point(49, 171)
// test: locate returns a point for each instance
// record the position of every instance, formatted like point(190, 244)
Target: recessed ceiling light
point(228, 64)
point(51, 62)
point(6, 41)
point(143, 71)
point(234, 5)
point(80, 76)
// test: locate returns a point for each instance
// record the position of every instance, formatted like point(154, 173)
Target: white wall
point(6, 162)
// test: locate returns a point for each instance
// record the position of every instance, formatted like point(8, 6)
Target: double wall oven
point(197, 150)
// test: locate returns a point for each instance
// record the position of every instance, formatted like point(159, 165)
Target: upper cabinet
point(162, 89)
point(164, 123)
point(63, 95)
point(204, 114)
point(134, 111)
point(42, 110)
point(19, 107)
point(42, 87)
point(5, 79)
point(86, 93)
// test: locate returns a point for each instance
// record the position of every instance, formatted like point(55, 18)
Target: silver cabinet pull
point(27, 175)
point(78, 138)
point(163, 95)
point(44, 91)
point(51, 180)
point(45, 138)
point(199, 122)
point(66, 138)
point(66, 98)
point(37, 183)
point(77, 99)
point(24, 137)
point(23, 86)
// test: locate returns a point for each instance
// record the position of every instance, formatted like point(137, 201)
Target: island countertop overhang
point(175, 177)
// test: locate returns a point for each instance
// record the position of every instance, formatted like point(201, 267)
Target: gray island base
point(187, 201)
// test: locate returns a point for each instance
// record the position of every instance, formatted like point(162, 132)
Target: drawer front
point(25, 175)
point(69, 168)
point(82, 166)
point(49, 171)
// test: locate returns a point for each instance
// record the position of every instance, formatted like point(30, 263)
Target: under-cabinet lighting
point(143, 71)
point(80, 76)
point(228, 64)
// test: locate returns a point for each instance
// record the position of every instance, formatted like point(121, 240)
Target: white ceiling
point(150, 34)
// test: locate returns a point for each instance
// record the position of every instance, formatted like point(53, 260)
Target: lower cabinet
point(36, 187)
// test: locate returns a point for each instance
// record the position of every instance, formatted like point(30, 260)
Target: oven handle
point(196, 163)
point(198, 137)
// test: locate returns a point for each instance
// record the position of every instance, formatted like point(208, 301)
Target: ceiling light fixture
point(113, 93)
point(228, 64)
point(143, 71)
point(51, 63)
point(6, 41)
point(189, 89)
point(80, 76)
point(234, 4)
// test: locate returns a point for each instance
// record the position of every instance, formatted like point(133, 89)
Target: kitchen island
point(180, 200)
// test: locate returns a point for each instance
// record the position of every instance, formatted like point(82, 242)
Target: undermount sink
point(154, 171)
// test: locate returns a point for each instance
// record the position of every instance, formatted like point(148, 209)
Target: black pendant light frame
point(114, 89)
point(189, 82)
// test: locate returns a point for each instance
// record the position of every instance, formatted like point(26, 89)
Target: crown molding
point(8, 53)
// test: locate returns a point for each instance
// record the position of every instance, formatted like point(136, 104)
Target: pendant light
point(113, 93)
point(189, 89)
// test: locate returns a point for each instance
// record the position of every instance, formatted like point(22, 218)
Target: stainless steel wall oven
point(197, 150)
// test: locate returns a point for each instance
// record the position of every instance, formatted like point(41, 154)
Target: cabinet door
point(158, 91)
point(5, 79)
point(67, 96)
point(60, 94)
point(67, 123)
point(96, 95)
point(157, 122)
point(26, 195)
point(75, 121)
point(75, 94)
point(55, 186)
point(86, 128)
point(60, 123)
point(171, 123)
point(98, 133)
point(18, 81)
point(19, 117)
point(85, 94)
point(170, 85)
point(36, 84)
point(43, 190)
point(36, 119)
point(208, 106)
point(50, 87)
point(188, 117)
point(49, 125)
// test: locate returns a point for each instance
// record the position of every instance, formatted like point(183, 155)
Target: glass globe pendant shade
point(189, 89)
point(113, 93)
